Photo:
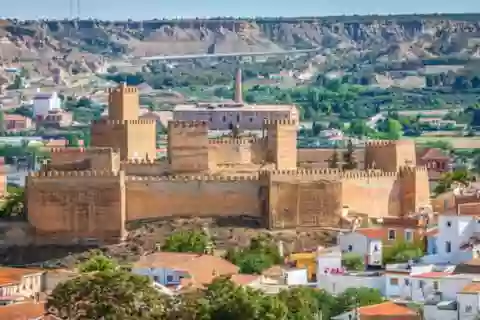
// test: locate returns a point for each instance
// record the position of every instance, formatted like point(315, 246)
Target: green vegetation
point(402, 252)
point(260, 255)
point(462, 177)
point(353, 262)
point(187, 241)
point(112, 293)
point(98, 262)
point(13, 205)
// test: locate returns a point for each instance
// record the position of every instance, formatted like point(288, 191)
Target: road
point(225, 55)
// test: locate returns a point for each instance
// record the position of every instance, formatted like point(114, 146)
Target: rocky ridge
point(82, 43)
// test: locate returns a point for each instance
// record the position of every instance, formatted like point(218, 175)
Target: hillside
point(79, 43)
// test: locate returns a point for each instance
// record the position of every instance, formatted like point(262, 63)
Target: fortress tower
point(281, 143)
point(136, 139)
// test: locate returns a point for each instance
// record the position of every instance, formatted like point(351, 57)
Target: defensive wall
point(94, 158)
point(277, 198)
point(77, 204)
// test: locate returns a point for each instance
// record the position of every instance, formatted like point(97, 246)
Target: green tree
point(349, 157)
point(394, 129)
point(260, 255)
point(108, 295)
point(187, 241)
point(356, 297)
point(353, 261)
point(98, 262)
point(447, 179)
point(2, 122)
point(14, 204)
point(402, 252)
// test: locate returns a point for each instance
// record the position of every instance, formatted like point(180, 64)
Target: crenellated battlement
point(280, 122)
point(384, 143)
point(252, 177)
point(188, 124)
point(142, 161)
point(65, 174)
point(123, 89)
point(122, 122)
point(362, 175)
point(97, 150)
point(234, 141)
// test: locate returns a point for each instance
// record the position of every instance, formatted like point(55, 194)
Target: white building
point(43, 103)
point(329, 261)
point(365, 242)
point(336, 284)
point(458, 237)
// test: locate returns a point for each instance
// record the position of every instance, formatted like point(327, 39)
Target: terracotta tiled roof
point(14, 117)
point(434, 154)
point(432, 275)
point(473, 287)
point(201, 268)
point(22, 311)
point(243, 279)
point(373, 233)
point(14, 275)
point(385, 309)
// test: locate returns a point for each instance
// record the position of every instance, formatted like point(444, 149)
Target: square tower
point(136, 139)
point(123, 103)
point(281, 143)
point(188, 146)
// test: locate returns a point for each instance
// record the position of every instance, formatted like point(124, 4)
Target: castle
point(91, 193)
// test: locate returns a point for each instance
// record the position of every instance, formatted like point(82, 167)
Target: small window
point(156, 278)
point(238, 118)
point(394, 281)
point(448, 246)
point(392, 234)
point(375, 248)
point(435, 285)
point(224, 119)
point(350, 248)
point(420, 284)
point(407, 282)
point(408, 235)
point(251, 119)
point(169, 278)
point(468, 308)
point(449, 224)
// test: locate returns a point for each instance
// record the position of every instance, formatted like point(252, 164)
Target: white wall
point(41, 107)
point(163, 276)
point(336, 284)
point(468, 306)
point(296, 277)
point(460, 230)
point(327, 262)
point(449, 286)
point(431, 312)
point(353, 242)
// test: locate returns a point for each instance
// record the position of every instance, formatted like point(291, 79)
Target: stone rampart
point(190, 196)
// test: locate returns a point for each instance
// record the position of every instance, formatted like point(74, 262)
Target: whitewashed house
point(43, 103)
point(365, 242)
point(336, 284)
point(457, 238)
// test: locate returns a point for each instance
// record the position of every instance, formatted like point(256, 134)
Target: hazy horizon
point(149, 9)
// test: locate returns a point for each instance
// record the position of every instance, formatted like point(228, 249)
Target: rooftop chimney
point(238, 87)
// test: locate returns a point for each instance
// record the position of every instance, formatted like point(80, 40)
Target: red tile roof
point(386, 309)
point(14, 275)
point(473, 287)
point(202, 268)
point(22, 311)
point(243, 279)
point(372, 233)
point(432, 275)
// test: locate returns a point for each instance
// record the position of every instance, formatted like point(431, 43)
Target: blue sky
point(145, 9)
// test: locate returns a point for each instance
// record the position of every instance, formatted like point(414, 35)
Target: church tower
point(123, 130)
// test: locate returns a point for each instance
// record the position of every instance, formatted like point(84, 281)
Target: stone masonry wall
point(185, 197)
point(77, 204)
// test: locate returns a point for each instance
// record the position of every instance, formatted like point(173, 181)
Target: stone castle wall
point(149, 197)
point(77, 204)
